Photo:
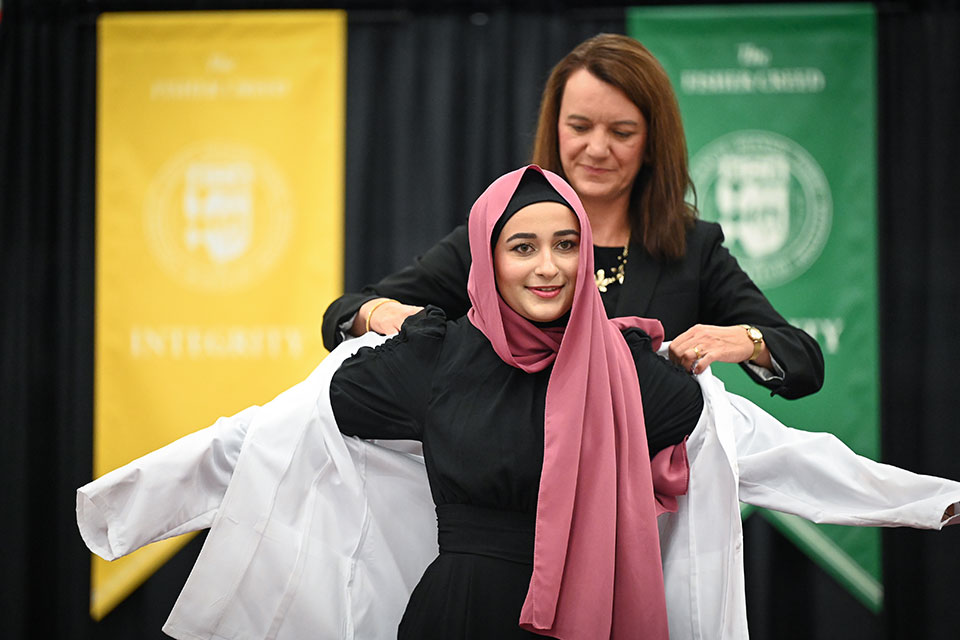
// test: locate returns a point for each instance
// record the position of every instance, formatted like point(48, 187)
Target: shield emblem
point(218, 209)
point(753, 200)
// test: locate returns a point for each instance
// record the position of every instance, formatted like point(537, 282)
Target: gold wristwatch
point(754, 334)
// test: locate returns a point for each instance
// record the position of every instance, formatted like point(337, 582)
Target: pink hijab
point(596, 561)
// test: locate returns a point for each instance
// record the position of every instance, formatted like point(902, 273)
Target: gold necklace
point(616, 273)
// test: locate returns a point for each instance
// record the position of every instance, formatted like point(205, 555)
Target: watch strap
point(757, 340)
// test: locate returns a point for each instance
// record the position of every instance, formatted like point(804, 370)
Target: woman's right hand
point(387, 316)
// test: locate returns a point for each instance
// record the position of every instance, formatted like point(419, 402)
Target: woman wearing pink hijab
point(536, 442)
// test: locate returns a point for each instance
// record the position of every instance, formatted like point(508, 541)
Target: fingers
point(700, 364)
point(686, 351)
point(389, 317)
point(680, 345)
point(701, 345)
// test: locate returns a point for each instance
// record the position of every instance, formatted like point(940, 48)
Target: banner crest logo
point(218, 216)
point(772, 199)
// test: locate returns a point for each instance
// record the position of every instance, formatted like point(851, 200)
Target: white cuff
point(766, 374)
point(346, 326)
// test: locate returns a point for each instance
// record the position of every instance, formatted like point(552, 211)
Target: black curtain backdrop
point(441, 99)
point(438, 105)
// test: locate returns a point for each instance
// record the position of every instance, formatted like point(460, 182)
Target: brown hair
point(658, 210)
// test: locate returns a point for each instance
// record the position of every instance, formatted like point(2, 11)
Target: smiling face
point(601, 137)
point(535, 261)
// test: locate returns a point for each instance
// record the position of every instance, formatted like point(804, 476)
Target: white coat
point(313, 534)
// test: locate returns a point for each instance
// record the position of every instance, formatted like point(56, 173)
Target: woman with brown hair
point(610, 125)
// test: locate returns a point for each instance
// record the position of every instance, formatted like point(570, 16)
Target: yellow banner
point(220, 144)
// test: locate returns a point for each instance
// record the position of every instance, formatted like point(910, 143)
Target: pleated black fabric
point(919, 295)
point(46, 306)
point(439, 105)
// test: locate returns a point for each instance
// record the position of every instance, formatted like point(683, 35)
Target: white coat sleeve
point(168, 492)
point(817, 477)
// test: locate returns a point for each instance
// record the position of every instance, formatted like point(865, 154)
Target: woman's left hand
point(702, 344)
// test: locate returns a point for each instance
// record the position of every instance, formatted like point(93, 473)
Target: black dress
point(481, 425)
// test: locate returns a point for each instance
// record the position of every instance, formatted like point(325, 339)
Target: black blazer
point(706, 286)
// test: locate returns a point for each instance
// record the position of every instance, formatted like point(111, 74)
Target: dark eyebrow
point(575, 116)
point(522, 235)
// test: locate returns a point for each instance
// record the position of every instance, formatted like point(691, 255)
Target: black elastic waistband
point(507, 535)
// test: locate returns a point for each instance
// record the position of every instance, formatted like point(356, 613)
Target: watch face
point(755, 334)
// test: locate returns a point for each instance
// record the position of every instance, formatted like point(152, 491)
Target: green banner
point(779, 106)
